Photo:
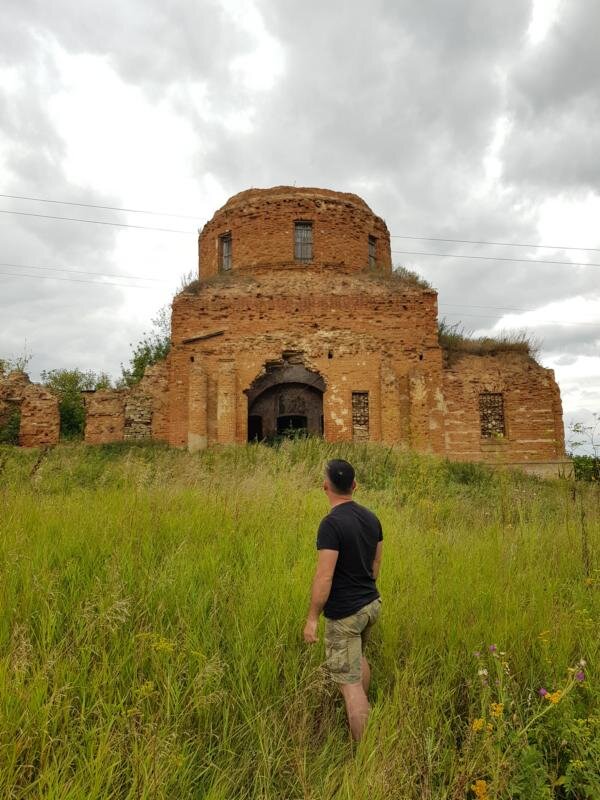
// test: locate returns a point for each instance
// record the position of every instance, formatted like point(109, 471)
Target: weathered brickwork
point(260, 224)
point(40, 420)
point(38, 409)
point(298, 322)
point(105, 416)
point(114, 415)
point(355, 328)
point(533, 427)
point(358, 333)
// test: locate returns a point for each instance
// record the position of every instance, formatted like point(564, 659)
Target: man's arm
point(377, 559)
point(321, 586)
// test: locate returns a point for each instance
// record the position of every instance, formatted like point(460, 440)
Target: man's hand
point(310, 631)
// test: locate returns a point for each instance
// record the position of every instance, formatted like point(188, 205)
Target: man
point(349, 544)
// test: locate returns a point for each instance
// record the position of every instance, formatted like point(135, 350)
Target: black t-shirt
point(354, 531)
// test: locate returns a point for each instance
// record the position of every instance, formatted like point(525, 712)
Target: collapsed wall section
point(114, 415)
point(502, 408)
point(36, 406)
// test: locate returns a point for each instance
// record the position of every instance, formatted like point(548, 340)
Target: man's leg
point(357, 708)
point(365, 674)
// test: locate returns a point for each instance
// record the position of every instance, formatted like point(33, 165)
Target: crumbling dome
point(286, 225)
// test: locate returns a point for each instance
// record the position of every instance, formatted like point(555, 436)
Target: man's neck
point(338, 499)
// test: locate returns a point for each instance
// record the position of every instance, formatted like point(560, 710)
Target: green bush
point(587, 468)
point(9, 432)
point(69, 384)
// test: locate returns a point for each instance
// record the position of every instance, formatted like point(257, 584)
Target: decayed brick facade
point(37, 407)
point(298, 321)
point(114, 415)
point(369, 337)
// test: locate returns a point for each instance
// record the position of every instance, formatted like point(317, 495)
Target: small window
point(303, 241)
point(225, 252)
point(372, 252)
point(360, 416)
point(491, 414)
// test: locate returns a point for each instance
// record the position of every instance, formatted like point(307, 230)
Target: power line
point(497, 258)
point(195, 217)
point(73, 280)
point(499, 244)
point(95, 222)
point(544, 322)
point(498, 308)
point(81, 272)
point(92, 205)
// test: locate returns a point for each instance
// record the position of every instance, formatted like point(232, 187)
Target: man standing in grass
point(349, 544)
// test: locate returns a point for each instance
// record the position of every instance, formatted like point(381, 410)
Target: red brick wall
point(38, 407)
point(142, 411)
point(532, 409)
point(261, 223)
point(40, 420)
point(359, 332)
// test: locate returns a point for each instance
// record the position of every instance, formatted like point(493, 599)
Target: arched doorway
point(285, 401)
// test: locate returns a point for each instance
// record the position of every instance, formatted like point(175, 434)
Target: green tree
point(68, 384)
point(587, 466)
point(152, 347)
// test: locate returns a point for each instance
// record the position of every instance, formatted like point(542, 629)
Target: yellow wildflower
point(162, 645)
point(554, 697)
point(497, 709)
point(480, 789)
point(478, 725)
point(489, 727)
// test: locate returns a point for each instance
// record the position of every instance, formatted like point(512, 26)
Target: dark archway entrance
point(286, 401)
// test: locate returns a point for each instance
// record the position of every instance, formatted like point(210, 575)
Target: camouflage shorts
point(344, 641)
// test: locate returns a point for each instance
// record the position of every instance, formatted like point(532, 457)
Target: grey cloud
point(555, 105)
point(395, 100)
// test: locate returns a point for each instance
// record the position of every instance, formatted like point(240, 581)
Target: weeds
point(152, 608)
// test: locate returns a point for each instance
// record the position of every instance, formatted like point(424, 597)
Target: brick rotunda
point(297, 321)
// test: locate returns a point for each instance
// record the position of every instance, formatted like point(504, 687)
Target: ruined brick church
point(297, 321)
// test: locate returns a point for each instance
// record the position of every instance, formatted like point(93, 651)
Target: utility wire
point(497, 258)
point(95, 222)
point(542, 322)
point(73, 280)
point(82, 272)
point(495, 308)
point(195, 217)
point(92, 205)
point(499, 244)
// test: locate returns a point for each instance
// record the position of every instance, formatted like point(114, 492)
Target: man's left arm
point(321, 587)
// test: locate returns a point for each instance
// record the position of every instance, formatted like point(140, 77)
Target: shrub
point(455, 339)
point(9, 432)
point(68, 384)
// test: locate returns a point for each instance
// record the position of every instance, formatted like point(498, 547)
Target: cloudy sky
point(466, 120)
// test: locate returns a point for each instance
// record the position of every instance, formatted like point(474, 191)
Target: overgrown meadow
point(152, 605)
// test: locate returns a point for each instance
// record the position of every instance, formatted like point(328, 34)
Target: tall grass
point(153, 603)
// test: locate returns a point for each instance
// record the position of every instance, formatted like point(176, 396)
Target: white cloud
point(544, 14)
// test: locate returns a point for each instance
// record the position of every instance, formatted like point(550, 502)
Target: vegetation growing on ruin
point(456, 339)
point(410, 278)
point(153, 603)
point(152, 347)
point(9, 427)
